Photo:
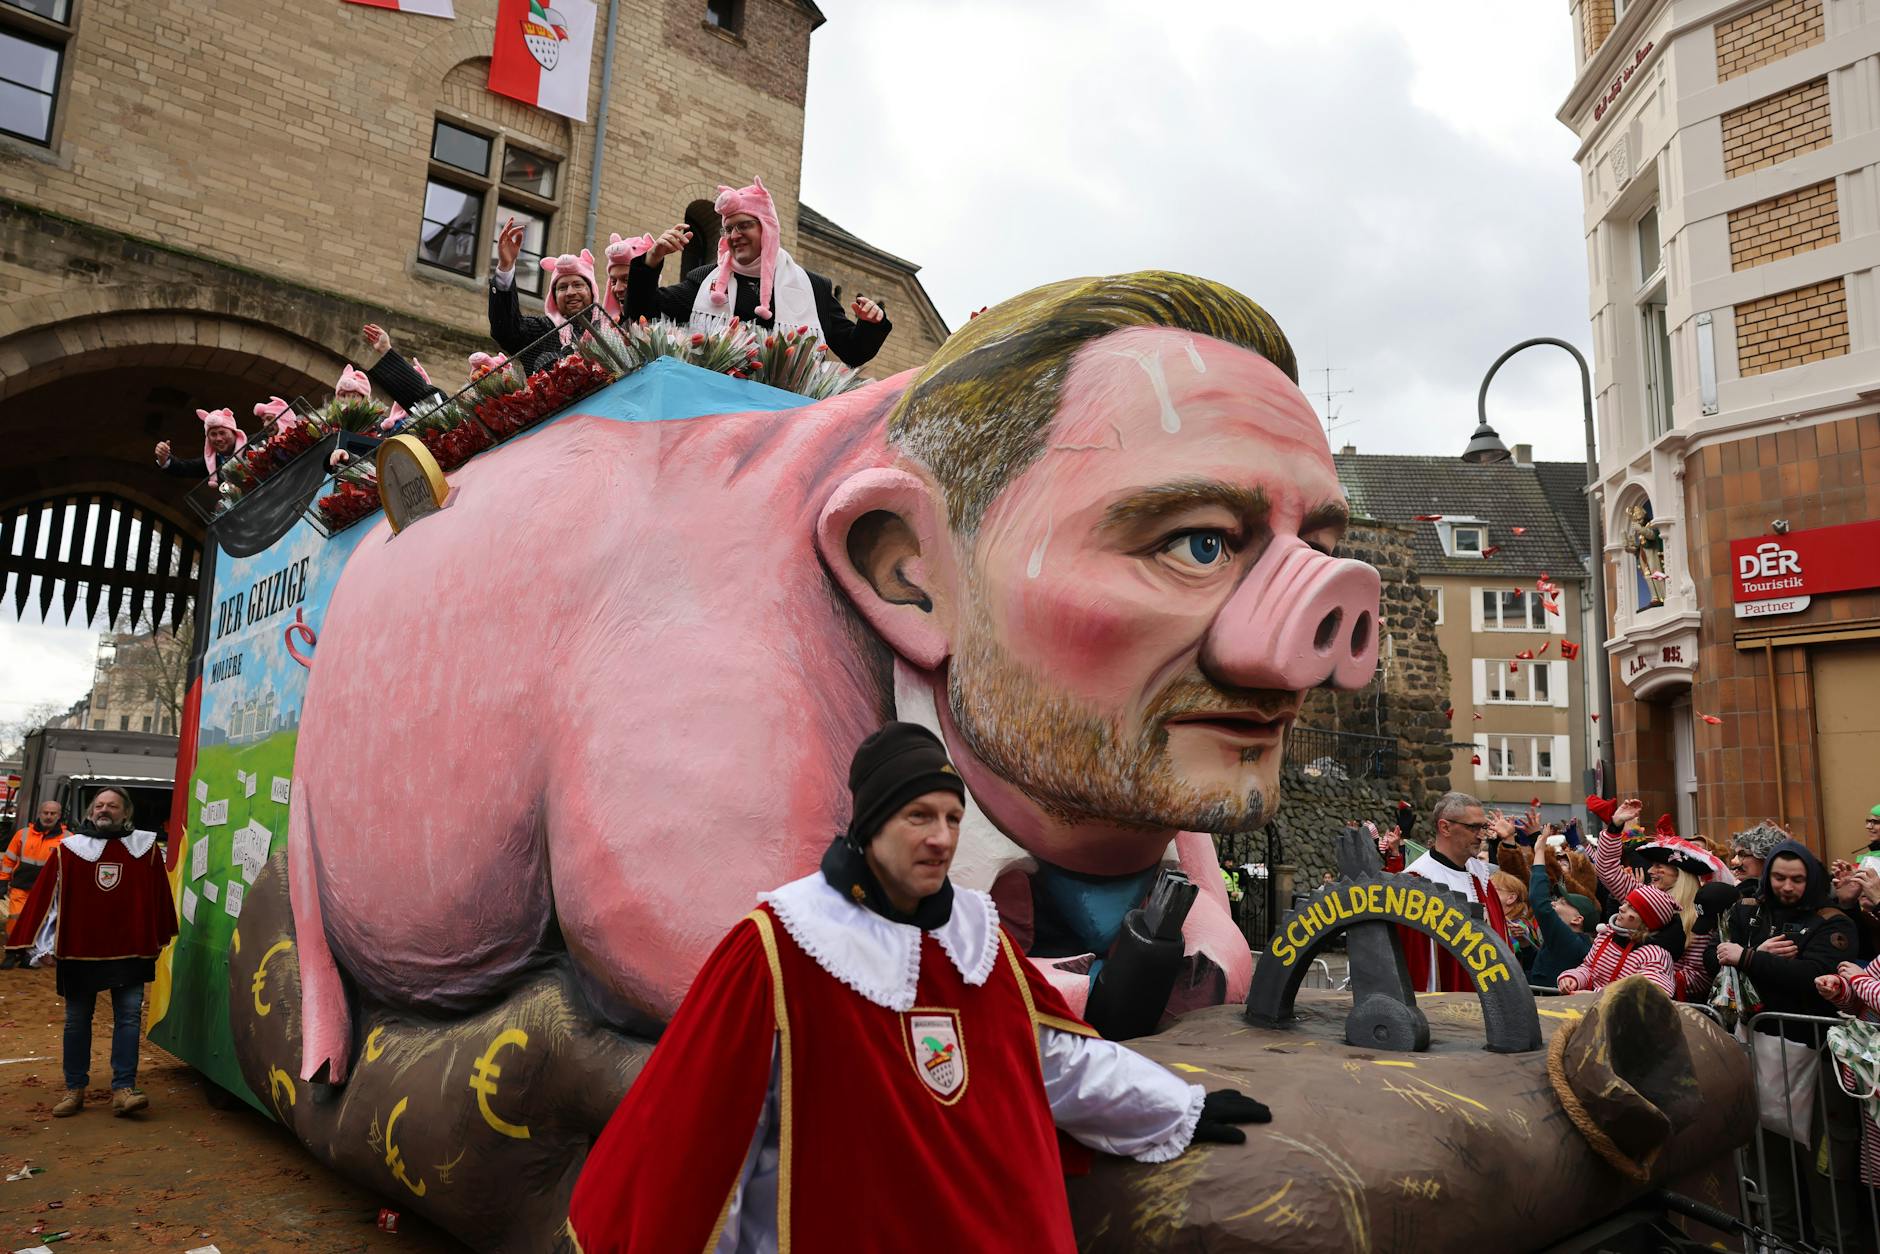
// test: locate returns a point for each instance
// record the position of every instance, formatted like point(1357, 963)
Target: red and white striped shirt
point(1612, 959)
point(1693, 981)
point(1861, 996)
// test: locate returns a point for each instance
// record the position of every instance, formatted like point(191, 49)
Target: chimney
point(1348, 450)
point(1524, 454)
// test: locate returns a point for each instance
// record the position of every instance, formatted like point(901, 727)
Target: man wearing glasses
point(1452, 861)
point(1870, 856)
point(755, 279)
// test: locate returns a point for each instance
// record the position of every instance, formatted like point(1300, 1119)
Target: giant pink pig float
point(609, 695)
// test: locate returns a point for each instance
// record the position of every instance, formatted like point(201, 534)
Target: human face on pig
point(1103, 662)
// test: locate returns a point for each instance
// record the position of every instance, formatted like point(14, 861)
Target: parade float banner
point(254, 630)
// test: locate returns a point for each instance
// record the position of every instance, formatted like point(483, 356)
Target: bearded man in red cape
point(867, 1062)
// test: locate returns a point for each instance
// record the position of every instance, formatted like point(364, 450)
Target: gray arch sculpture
point(1365, 906)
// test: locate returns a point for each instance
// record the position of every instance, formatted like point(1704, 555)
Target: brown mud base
point(174, 1177)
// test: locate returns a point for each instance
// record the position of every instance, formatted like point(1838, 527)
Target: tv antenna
point(1328, 393)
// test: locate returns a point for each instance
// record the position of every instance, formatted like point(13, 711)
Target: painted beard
point(1080, 763)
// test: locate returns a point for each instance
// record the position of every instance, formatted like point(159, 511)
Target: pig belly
point(577, 717)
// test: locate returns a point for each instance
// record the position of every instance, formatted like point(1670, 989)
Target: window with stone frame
point(35, 36)
point(478, 179)
point(725, 15)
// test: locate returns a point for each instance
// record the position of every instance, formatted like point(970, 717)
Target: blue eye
point(1202, 549)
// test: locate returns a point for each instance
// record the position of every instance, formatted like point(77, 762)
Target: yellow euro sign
point(393, 1158)
point(483, 1079)
point(261, 974)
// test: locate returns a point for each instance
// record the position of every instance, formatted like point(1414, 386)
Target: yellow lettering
point(1283, 950)
point(1495, 974)
point(1467, 938)
point(1393, 900)
point(1447, 922)
point(1323, 915)
point(1413, 903)
point(1298, 942)
point(1336, 906)
point(1374, 899)
point(1481, 956)
point(1433, 909)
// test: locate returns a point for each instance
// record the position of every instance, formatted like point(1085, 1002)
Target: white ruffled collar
point(878, 958)
point(137, 844)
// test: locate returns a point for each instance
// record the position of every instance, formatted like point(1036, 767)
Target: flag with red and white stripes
point(424, 8)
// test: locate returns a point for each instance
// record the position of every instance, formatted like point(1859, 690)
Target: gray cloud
point(1405, 212)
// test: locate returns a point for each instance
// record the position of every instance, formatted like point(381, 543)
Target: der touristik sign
point(1796, 566)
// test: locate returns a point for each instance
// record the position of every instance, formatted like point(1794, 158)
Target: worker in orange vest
point(26, 856)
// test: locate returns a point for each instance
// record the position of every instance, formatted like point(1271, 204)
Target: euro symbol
point(483, 1079)
point(261, 973)
point(278, 1080)
point(375, 1046)
point(393, 1158)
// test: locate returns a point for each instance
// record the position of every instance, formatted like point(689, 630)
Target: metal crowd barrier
point(1804, 1194)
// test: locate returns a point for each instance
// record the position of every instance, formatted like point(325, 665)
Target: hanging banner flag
point(424, 8)
point(543, 53)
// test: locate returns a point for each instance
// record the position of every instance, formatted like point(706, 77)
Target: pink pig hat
point(353, 383)
point(219, 418)
point(567, 263)
point(754, 200)
point(620, 254)
point(271, 409)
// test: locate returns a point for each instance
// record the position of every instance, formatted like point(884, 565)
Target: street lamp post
point(1486, 446)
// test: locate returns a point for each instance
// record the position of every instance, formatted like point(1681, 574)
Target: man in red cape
point(867, 1063)
point(102, 908)
point(1452, 862)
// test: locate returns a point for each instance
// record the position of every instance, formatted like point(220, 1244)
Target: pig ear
point(884, 537)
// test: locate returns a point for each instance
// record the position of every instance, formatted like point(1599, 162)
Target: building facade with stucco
point(1729, 154)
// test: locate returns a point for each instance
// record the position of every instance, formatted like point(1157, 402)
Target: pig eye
point(1203, 549)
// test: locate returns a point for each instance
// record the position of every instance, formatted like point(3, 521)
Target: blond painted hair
point(977, 414)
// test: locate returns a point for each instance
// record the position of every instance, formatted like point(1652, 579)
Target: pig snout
point(1298, 620)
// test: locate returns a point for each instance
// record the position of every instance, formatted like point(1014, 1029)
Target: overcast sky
point(1388, 179)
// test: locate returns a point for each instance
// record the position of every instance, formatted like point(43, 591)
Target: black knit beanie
point(900, 762)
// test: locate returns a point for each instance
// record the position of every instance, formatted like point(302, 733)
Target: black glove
point(1713, 901)
point(1221, 1110)
point(1406, 819)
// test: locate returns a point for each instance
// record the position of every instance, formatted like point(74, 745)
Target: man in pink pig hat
point(571, 289)
point(1089, 546)
point(220, 438)
point(772, 289)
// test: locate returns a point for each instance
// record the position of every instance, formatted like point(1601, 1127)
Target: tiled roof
point(809, 219)
point(1565, 485)
point(1397, 488)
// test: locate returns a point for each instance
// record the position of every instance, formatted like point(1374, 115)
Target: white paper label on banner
point(248, 786)
point(280, 790)
point(189, 904)
point(202, 790)
point(233, 901)
point(210, 891)
point(215, 814)
point(199, 858)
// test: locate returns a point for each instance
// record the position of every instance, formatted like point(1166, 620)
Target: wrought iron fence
point(1341, 755)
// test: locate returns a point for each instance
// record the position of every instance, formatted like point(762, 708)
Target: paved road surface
point(179, 1176)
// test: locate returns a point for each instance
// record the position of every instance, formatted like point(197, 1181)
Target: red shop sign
point(1825, 559)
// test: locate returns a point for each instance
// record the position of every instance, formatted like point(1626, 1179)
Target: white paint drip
point(1035, 566)
point(1194, 356)
point(1151, 364)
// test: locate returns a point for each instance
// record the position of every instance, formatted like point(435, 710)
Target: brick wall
point(1816, 476)
point(1766, 34)
point(915, 336)
point(1595, 24)
point(293, 139)
point(1791, 328)
point(1797, 222)
point(1771, 130)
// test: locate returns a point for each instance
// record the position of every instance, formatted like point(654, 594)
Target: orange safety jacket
point(26, 856)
